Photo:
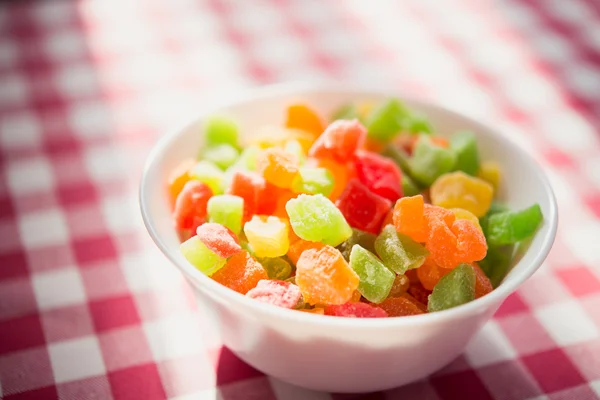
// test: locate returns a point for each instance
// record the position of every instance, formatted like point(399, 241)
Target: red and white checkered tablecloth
point(89, 309)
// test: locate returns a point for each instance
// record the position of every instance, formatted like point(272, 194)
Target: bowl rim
point(214, 289)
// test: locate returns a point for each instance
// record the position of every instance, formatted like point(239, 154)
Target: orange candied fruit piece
point(442, 245)
point(408, 217)
point(400, 307)
point(299, 246)
point(284, 197)
point(450, 241)
point(341, 175)
point(241, 273)
point(483, 285)
point(278, 167)
point(470, 240)
point(179, 178)
point(324, 277)
point(355, 297)
point(300, 116)
point(430, 273)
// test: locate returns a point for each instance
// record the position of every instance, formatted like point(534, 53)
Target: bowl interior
point(523, 183)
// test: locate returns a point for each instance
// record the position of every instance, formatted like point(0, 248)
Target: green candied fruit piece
point(399, 252)
point(277, 268)
point(455, 288)
point(464, 145)
point(386, 120)
point(291, 279)
point(207, 172)
point(495, 208)
point(221, 130)
point(294, 147)
point(366, 240)
point(226, 210)
point(429, 161)
point(418, 124)
point(222, 155)
point(409, 187)
point(347, 111)
point(497, 262)
point(510, 227)
point(375, 279)
point(313, 180)
point(200, 256)
point(398, 156)
point(315, 218)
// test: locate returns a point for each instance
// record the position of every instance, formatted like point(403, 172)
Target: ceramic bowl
point(344, 354)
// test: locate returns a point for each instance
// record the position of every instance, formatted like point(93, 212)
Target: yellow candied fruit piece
point(490, 172)
point(277, 136)
point(268, 236)
point(355, 297)
point(459, 190)
point(460, 213)
point(316, 310)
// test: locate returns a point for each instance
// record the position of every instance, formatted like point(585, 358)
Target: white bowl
point(344, 354)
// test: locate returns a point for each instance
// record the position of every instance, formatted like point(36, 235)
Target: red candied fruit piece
point(219, 239)
point(418, 292)
point(362, 208)
point(190, 206)
point(379, 174)
point(340, 141)
point(249, 186)
point(355, 310)
point(278, 293)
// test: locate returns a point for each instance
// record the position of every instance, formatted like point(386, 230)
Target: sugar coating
point(241, 273)
point(324, 277)
point(278, 167)
point(277, 293)
point(218, 239)
point(340, 141)
point(315, 218)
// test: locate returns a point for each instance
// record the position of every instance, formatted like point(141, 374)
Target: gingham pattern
point(90, 309)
